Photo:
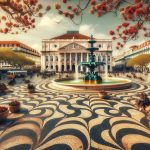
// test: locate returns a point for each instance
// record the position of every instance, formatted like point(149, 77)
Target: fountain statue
point(92, 76)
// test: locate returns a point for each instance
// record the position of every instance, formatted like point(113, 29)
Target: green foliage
point(14, 59)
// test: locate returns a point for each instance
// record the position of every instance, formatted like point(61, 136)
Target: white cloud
point(90, 29)
point(102, 36)
point(50, 21)
point(86, 29)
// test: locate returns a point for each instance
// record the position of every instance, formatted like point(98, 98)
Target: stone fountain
point(92, 76)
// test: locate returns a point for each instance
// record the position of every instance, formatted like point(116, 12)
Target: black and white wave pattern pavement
point(57, 120)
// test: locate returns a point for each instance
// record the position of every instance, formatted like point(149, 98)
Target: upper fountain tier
point(92, 40)
point(92, 48)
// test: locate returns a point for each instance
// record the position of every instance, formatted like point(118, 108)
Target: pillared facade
point(64, 53)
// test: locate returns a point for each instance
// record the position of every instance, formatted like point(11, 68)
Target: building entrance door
point(56, 68)
point(73, 68)
point(62, 68)
point(68, 67)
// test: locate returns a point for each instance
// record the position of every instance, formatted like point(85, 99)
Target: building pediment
point(73, 46)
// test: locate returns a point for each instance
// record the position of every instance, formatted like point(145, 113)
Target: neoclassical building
point(65, 52)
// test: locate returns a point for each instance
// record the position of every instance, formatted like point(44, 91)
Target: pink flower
point(111, 32)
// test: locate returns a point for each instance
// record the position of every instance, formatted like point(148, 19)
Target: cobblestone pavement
point(53, 119)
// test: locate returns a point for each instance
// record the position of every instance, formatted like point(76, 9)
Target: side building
point(64, 53)
point(21, 48)
point(135, 50)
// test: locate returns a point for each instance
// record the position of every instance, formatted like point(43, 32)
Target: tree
point(14, 59)
point(21, 60)
point(19, 15)
point(140, 62)
point(135, 14)
point(6, 55)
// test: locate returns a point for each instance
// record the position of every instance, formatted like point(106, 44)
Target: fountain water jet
point(76, 73)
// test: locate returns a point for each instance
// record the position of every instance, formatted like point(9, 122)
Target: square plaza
point(74, 75)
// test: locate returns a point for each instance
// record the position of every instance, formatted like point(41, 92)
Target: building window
point(51, 58)
point(46, 58)
point(51, 67)
point(55, 45)
point(56, 58)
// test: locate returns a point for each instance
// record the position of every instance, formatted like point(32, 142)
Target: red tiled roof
point(133, 46)
point(136, 47)
point(71, 36)
point(19, 44)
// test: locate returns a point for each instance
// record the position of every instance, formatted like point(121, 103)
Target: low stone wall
point(96, 87)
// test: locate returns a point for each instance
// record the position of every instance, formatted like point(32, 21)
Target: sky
point(48, 27)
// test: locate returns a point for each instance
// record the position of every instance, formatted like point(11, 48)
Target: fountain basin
point(109, 84)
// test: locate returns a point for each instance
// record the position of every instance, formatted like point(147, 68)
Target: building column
point(76, 61)
point(65, 63)
point(54, 63)
point(106, 61)
point(110, 64)
point(43, 64)
point(106, 57)
point(101, 59)
point(81, 61)
point(59, 63)
point(70, 62)
point(87, 59)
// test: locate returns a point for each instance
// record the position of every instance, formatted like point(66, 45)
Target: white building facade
point(65, 53)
